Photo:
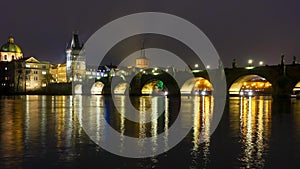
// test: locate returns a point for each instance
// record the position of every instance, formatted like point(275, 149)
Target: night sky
point(257, 29)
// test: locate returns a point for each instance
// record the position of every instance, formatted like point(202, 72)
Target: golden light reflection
point(203, 113)
point(122, 122)
point(255, 129)
point(142, 126)
point(166, 127)
point(154, 118)
point(12, 128)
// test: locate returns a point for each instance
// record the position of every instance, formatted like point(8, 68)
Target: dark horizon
point(241, 30)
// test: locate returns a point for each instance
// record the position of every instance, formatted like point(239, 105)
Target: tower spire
point(75, 43)
point(143, 55)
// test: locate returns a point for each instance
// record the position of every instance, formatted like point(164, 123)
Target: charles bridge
point(283, 79)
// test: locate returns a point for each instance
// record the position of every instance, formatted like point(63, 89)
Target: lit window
point(27, 65)
point(43, 72)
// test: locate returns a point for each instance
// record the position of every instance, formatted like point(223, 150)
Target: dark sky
point(258, 29)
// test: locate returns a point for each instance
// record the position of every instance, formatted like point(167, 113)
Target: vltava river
point(47, 132)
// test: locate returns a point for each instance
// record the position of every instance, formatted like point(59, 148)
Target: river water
point(48, 132)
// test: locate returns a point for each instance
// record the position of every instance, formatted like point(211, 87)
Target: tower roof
point(75, 43)
point(10, 46)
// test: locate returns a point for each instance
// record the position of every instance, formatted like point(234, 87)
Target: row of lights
point(197, 66)
point(250, 63)
point(260, 63)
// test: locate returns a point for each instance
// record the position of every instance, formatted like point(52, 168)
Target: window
point(5, 57)
point(43, 72)
point(35, 78)
point(27, 65)
point(44, 66)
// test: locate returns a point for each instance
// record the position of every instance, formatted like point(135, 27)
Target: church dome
point(10, 46)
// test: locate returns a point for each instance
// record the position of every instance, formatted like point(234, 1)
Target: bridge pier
point(283, 87)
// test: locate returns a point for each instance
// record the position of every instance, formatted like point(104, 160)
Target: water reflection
point(94, 113)
point(12, 133)
point(33, 126)
point(255, 129)
point(38, 130)
point(203, 113)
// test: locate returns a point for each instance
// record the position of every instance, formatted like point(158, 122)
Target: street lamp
point(261, 63)
point(196, 65)
point(208, 67)
point(250, 61)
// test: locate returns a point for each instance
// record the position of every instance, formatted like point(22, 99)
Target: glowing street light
point(261, 63)
point(250, 61)
point(196, 65)
point(208, 67)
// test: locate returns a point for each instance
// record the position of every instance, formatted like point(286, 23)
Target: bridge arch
point(121, 88)
point(151, 86)
point(97, 88)
point(296, 88)
point(250, 84)
point(196, 85)
point(77, 89)
point(145, 82)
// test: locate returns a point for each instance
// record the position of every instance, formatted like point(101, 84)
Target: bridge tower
point(76, 61)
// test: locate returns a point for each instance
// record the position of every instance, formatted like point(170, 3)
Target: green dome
point(10, 46)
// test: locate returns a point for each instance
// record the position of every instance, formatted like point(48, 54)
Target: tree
point(47, 78)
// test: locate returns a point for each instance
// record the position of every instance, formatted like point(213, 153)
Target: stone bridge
point(283, 78)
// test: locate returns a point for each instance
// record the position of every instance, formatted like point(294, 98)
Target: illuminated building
point(142, 61)
point(26, 74)
point(106, 71)
point(75, 65)
point(58, 73)
point(91, 73)
point(10, 51)
point(31, 74)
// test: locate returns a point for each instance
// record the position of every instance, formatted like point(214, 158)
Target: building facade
point(19, 74)
point(59, 73)
point(31, 74)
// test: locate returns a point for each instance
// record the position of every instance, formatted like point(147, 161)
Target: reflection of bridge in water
point(281, 80)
